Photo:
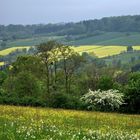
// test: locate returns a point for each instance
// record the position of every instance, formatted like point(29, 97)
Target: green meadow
point(18, 123)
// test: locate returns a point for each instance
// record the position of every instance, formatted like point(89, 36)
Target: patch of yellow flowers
point(58, 124)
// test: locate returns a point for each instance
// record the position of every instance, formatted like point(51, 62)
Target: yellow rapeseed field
point(136, 47)
point(99, 51)
point(1, 63)
point(103, 51)
point(9, 50)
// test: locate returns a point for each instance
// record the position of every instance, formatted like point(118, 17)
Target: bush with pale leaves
point(109, 100)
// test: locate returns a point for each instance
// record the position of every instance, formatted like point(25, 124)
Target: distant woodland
point(126, 25)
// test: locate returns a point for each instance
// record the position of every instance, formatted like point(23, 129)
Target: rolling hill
point(105, 39)
point(121, 39)
point(113, 31)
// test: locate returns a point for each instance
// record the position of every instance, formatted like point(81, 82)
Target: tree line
point(56, 76)
point(90, 27)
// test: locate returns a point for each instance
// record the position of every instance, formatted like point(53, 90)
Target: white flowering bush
point(109, 100)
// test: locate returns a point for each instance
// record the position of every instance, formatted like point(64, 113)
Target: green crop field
point(125, 58)
point(33, 41)
point(18, 123)
point(110, 39)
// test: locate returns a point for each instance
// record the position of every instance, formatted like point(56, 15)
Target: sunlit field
point(1, 63)
point(9, 50)
point(103, 51)
point(20, 123)
point(109, 50)
point(136, 47)
point(99, 51)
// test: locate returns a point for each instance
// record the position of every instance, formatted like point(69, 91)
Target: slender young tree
point(54, 58)
point(67, 57)
point(44, 52)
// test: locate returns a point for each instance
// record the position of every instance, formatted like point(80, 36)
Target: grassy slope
point(33, 41)
point(110, 39)
point(96, 39)
point(124, 57)
point(36, 123)
point(125, 40)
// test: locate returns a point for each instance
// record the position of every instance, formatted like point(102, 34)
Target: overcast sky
point(56, 11)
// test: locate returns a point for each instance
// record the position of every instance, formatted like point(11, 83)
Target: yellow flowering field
point(1, 63)
point(9, 50)
point(103, 51)
point(99, 51)
point(136, 47)
point(27, 123)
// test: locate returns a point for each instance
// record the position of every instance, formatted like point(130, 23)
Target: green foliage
point(105, 83)
point(3, 76)
point(132, 93)
point(57, 77)
point(3, 44)
point(24, 101)
point(126, 59)
point(61, 100)
point(129, 49)
point(24, 84)
point(28, 63)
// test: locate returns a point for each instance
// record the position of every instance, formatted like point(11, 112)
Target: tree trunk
point(48, 80)
point(66, 76)
point(69, 85)
point(55, 72)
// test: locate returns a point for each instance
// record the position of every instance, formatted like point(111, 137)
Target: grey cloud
point(47, 11)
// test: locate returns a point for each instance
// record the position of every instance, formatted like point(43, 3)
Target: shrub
point(24, 101)
point(105, 83)
point(109, 100)
point(61, 100)
point(3, 76)
point(24, 84)
point(132, 93)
